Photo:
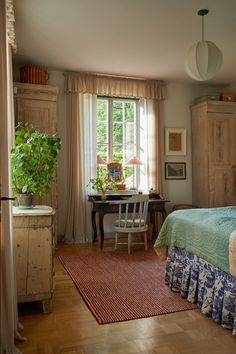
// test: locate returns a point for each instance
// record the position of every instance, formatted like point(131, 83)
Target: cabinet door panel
point(222, 139)
point(222, 156)
point(39, 261)
point(21, 255)
point(41, 113)
point(223, 189)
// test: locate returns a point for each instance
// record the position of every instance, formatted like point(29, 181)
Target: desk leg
point(93, 215)
point(153, 222)
point(101, 229)
point(163, 214)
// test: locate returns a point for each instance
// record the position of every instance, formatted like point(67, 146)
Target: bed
point(200, 248)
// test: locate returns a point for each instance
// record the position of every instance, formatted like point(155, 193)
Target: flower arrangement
point(103, 184)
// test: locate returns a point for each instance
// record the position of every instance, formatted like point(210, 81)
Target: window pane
point(102, 110)
point(117, 153)
point(101, 171)
point(130, 150)
point(102, 133)
point(129, 133)
point(117, 111)
point(102, 150)
point(117, 133)
point(129, 176)
point(130, 112)
point(128, 171)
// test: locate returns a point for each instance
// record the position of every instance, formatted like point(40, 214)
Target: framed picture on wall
point(175, 170)
point(175, 141)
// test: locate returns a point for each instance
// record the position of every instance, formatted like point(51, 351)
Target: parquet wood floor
point(71, 328)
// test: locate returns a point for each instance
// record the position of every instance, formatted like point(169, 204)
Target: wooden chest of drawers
point(33, 247)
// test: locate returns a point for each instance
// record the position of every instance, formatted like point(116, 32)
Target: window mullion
point(110, 130)
point(124, 133)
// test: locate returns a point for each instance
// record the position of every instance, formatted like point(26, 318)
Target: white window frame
point(110, 132)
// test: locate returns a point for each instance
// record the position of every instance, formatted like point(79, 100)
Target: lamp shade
point(203, 60)
point(100, 160)
point(134, 161)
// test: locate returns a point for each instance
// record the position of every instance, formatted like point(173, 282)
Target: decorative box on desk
point(33, 247)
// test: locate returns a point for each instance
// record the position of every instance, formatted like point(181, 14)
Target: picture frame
point(175, 141)
point(114, 170)
point(175, 170)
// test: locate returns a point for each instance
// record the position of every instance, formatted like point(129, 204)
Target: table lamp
point(101, 170)
point(100, 160)
point(134, 161)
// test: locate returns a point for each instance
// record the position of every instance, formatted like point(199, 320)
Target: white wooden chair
point(132, 219)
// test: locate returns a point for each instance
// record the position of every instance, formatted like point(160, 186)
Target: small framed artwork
point(175, 170)
point(175, 141)
point(115, 172)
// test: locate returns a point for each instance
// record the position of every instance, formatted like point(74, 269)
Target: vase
point(104, 196)
point(24, 200)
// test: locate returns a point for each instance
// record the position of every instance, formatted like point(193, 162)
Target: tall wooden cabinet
point(214, 153)
point(38, 104)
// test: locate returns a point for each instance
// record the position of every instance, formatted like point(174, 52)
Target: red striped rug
point(120, 287)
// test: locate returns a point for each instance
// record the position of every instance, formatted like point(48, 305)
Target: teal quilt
point(204, 232)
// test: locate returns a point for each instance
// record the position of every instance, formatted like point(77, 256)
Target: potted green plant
point(103, 184)
point(33, 161)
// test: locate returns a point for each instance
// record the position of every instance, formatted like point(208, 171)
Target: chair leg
point(145, 240)
point(116, 240)
point(129, 242)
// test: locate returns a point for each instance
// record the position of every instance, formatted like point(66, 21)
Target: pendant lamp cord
point(202, 28)
point(202, 13)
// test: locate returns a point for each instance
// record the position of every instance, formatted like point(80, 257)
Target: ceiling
point(135, 38)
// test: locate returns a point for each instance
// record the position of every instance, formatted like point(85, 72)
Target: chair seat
point(130, 226)
point(130, 223)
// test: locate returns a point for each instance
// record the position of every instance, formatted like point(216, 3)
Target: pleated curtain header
point(113, 86)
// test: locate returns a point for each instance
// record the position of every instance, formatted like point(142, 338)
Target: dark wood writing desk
point(156, 205)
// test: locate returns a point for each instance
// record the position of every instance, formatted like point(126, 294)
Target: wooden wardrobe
point(214, 153)
point(38, 104)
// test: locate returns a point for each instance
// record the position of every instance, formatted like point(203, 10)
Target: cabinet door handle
point(7, 198)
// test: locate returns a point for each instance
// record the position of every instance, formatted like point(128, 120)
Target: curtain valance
point(113, 86)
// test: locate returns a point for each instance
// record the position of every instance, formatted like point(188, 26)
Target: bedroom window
point(118, 134)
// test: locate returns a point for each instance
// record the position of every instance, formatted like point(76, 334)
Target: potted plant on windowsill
point(103, 184)
point(33, 161)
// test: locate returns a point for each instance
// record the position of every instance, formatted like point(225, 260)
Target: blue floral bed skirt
point(198, 281)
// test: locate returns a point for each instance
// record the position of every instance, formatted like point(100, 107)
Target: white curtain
point(81, 165)
point(151, 144)
point(9, 317)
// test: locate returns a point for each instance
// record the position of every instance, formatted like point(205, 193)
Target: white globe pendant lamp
point(204, 58)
